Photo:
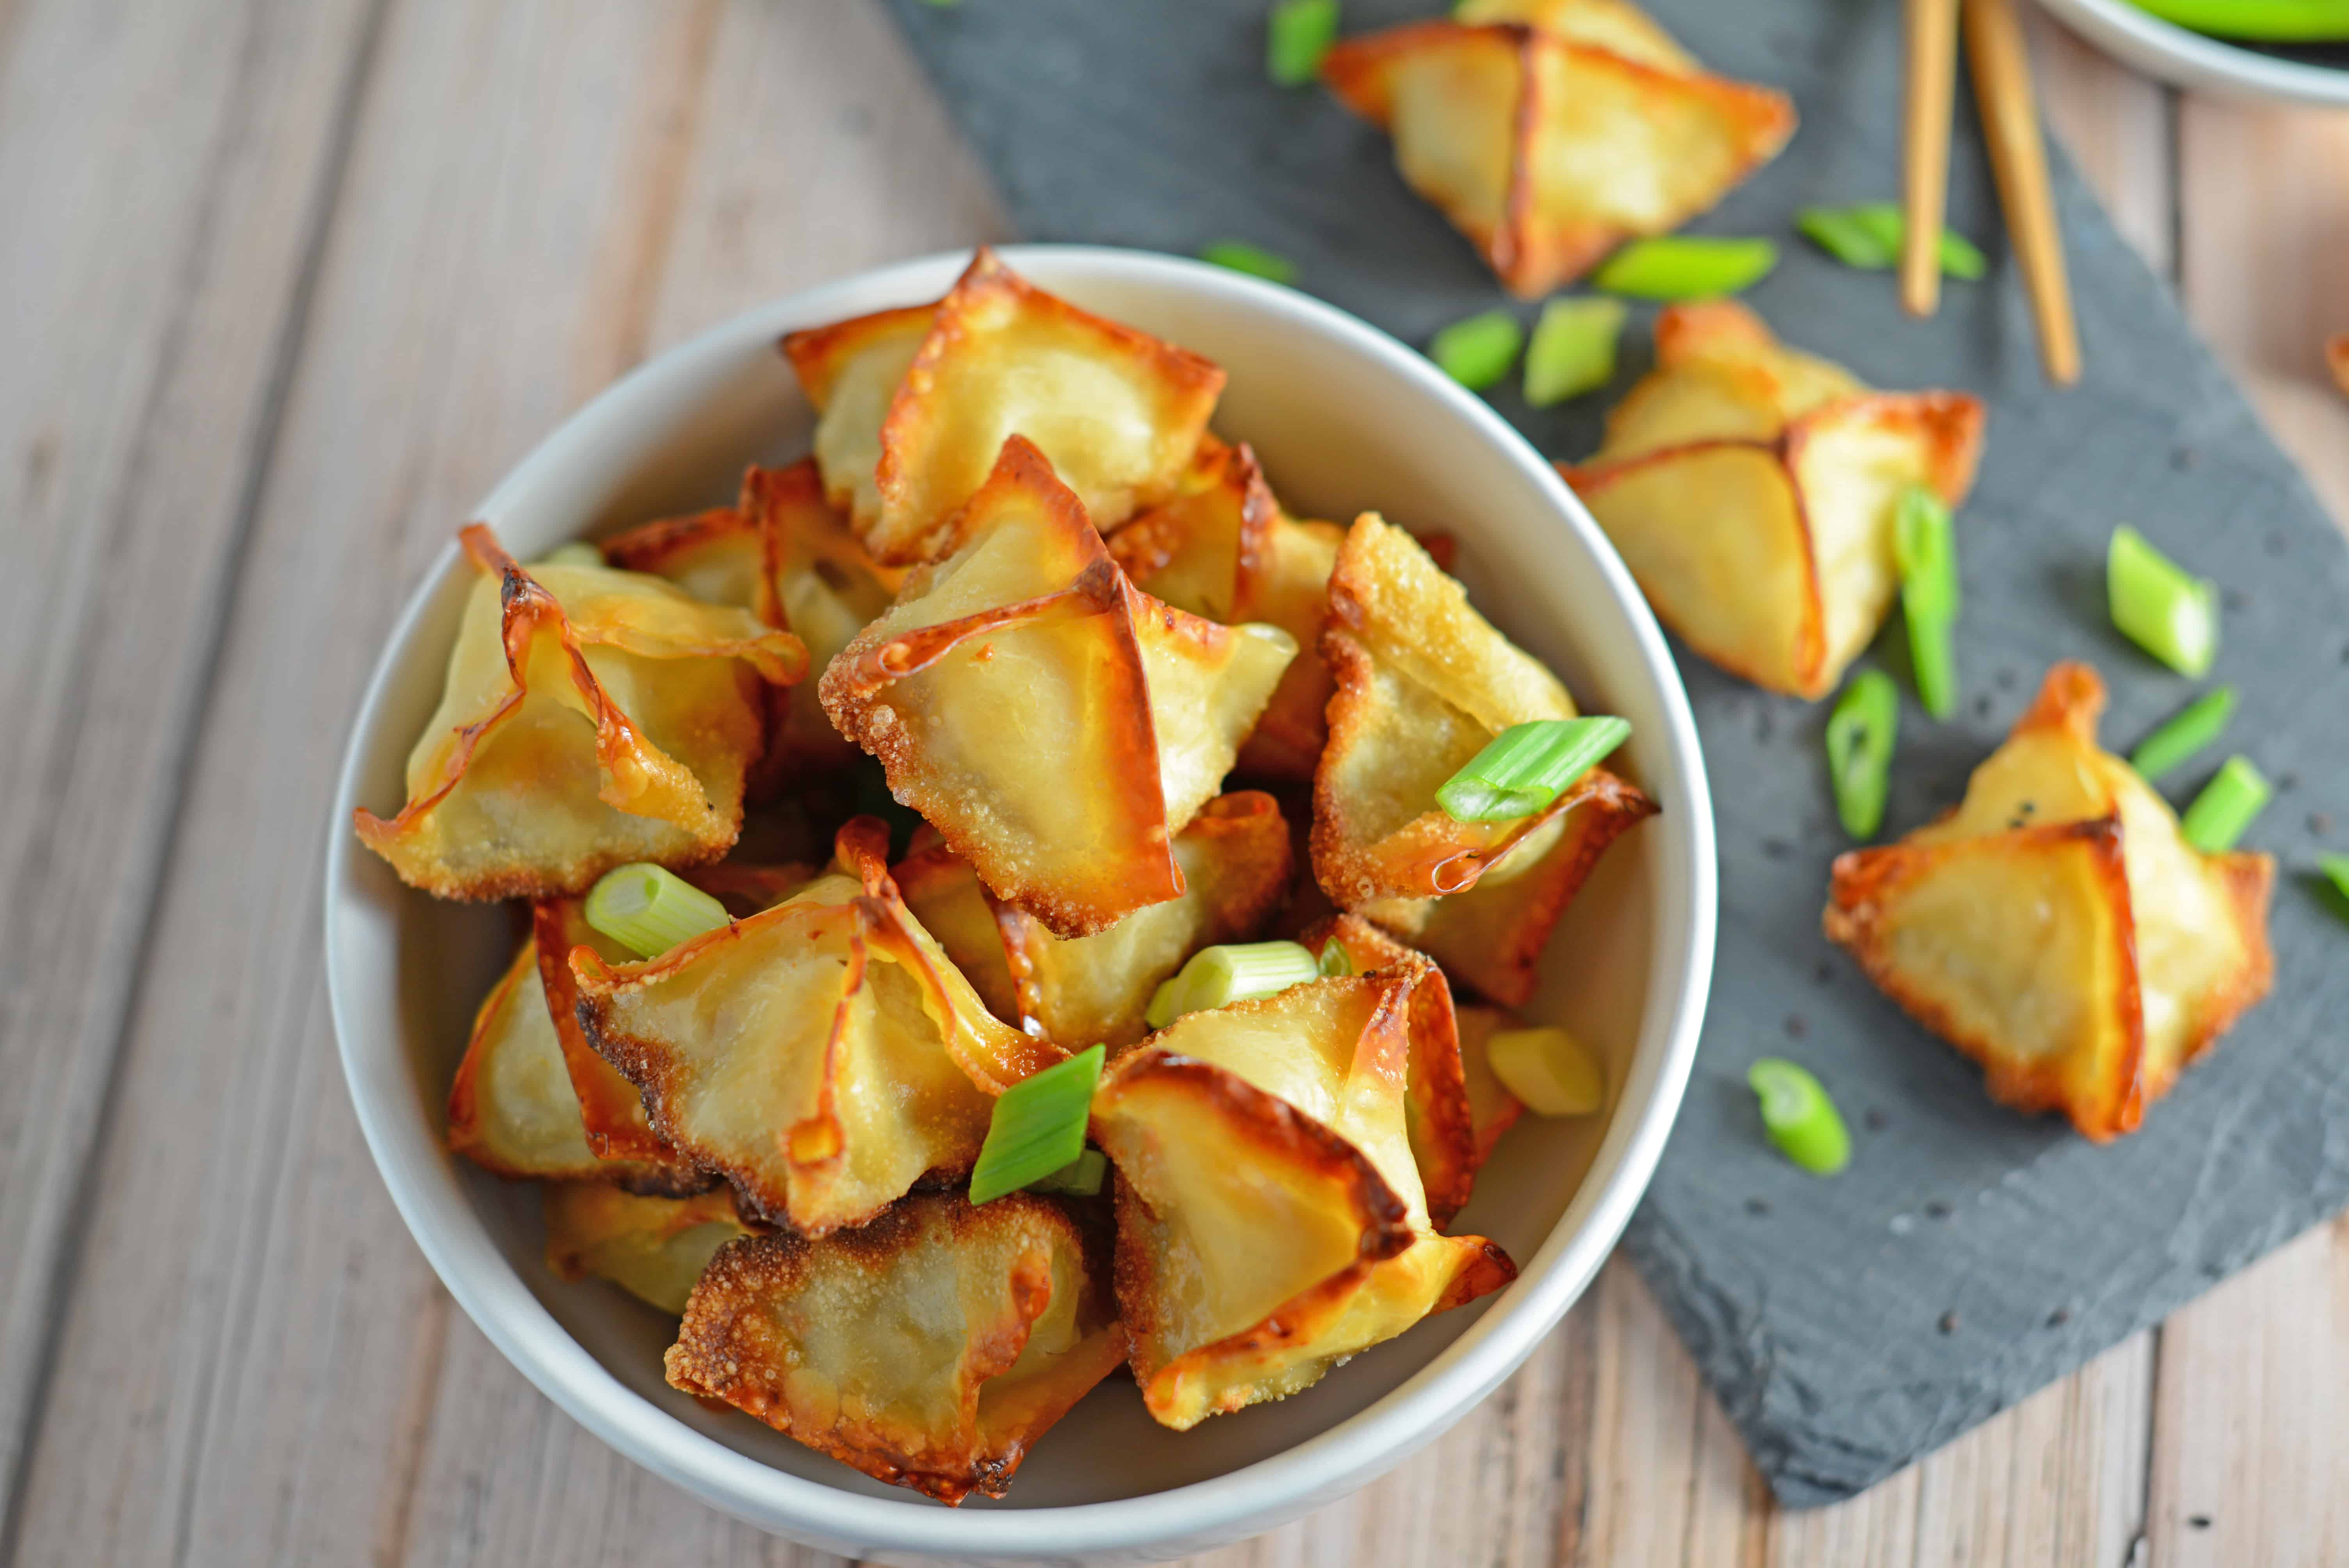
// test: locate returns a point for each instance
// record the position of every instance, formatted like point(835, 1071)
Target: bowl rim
point(2191, 59)
point(1226, 1506)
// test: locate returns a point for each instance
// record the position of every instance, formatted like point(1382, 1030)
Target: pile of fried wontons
point(1022, 590)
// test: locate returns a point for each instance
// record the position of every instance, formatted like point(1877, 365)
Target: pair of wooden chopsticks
point(2018, 159)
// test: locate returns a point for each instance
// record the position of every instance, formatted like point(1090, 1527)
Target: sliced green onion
point(1925, 545)
point(1334, 963)
point(1527, 766)
point(2236, 793)
point(1573, 349)
point(1037, 1128)
point(1081, 1178)
point(2166, 610)
point(577, 552)
point(649, 910)
point(1799, 1117)
point(1550, 1070)
point(2336, 871)
point(1295, 36)
point(1860, 735)
point(1890, 227)
point(1843, 236)
point(1477, 351)
point(2188, 731)
point(1686, 266)
point(1236, 971)
point(1239, 256)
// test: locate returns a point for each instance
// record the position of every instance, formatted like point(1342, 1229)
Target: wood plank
point(164, 182)
point(261, 1368)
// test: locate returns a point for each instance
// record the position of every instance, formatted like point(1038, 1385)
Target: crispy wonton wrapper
point(2056, 928)
point(1270, 1217)
point(653, 1248)
point(1546, 151)
point(512, 1108)
point(1224, 550)
point(1752, 490)
point(824, 1055)
point(1616, 26)
point(592, 718)
point(1057, 725)
point(1235, 862)
point(916, 403)
point(783, 554)
point(930, 1348)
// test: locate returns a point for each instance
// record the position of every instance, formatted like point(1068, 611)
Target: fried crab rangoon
point(930, 1348)
point(1752, 490)
point(1548, 148)
point(1058, 726)
point(916, 404)
point(2056, 928)
point(1270, 1217)
point(654, 1248)
point(1236, 863)
point(591, 718)
point(824, 1055)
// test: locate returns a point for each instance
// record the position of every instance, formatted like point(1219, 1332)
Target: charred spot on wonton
point(930, 1348)
point(2056, 927)
point(654, 1248)
point(591, 718)
point(1752, 490)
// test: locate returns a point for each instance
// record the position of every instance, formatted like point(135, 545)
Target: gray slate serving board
point(1817, 1309)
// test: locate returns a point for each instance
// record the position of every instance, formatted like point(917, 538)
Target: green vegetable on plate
point(2236, 794)
point(1526, 767)
point(1925, 548)
point(2184, 733)
point(1297, 34)
point(1573, 349)
point(1861, 735)
point(1799, 1117)
point(1477, 351)
point(648, 909)
point(1869, 236)
point(1239, 256)
point(1233, 972)
point(1686, 266)
point(1549, 1070)
point(2162, 607)
point(1038, 1127)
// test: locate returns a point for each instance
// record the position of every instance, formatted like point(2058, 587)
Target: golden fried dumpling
point(1235, 858)
point(930, 1348)
point(1752, 490)
point(1270, 1219)
point(824, 1055)
point(1548, 150)
point(1224, 550)
point(653, 1248)
point(1616, 26)
point(2055, 926)
point(592, 718)
point(1492, 1109)
point(1056, 724)
point(1117, 412)
point(512, 1108)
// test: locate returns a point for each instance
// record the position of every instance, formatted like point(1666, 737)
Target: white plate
point(2193, 60)
point(1344, 418)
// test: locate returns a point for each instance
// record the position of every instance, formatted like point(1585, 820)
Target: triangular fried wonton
point(1055, 723)
point(1752, 490)
point(592, 718)
point(2056, 927)
point(1423, 684)
point(653, 1248)
point(1223, 548)
point(1548, 151)
point(1117, 412)
point(930, 1348)
point(824, 1055)
point(1235, 858)
point(1270, 1217)
point(512, 1108)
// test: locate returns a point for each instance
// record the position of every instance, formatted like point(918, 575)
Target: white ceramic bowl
point(2190, 59)
point(1344, 418)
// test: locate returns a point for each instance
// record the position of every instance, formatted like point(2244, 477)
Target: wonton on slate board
point(1815, 1307)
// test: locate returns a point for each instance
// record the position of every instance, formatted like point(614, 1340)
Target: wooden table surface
point(287, 284)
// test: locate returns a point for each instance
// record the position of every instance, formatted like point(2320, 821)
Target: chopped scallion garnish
point(1686, 266)
point(1573, 348)
point(1235, 972)
point(1799, 1117)
point(2166, 610)
point(2191, 728)
point(1527, 766)
point(1295, 36)
point(1037, 1128)
point(649, 910)
point(2236, 793)
point(1550, 1070)
point(1925, 546)
point(1081, 1178)
point(1869, 236)
point(1860, 735)
point(576, 553)
point(1477, 351)
point(1334, 963)
point(1239, 256)
point(2336, 871)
